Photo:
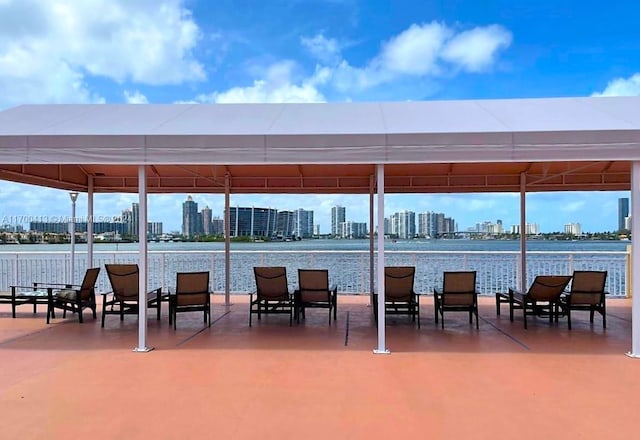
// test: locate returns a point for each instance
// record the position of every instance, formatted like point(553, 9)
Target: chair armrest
point(517, 296)
point(66, 285)
point(22, 287)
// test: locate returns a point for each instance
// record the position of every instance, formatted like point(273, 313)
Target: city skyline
point(179, 51)
point(507, 210)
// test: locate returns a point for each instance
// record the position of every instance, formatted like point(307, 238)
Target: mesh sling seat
point(314, 291)
point(542, 298)
point(73, 298)
point(587, 293)
point(400, 298)
point(458, 294)
point(124, 298)
point(191, 295)
point(272, 293)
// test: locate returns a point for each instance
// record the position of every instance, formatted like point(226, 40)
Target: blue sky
point(153, 51)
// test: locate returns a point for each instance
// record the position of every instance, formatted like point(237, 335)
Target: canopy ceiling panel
point(399, 178)
point(437, 146)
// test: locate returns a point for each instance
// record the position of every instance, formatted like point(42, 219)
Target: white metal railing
point(497, 271)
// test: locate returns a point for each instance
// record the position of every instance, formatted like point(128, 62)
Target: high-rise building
point(217, 226)
point(285, 224)
point(154, 229)
point(573, 229)
point(403, 224)
point(126, 218)
point(206, 220)
point(338, 215)
point(135, 220)
point(190, 218)
point(351, 229)
point(530, 229)
point(303, 223)
point(623, 212)
point(252, 222)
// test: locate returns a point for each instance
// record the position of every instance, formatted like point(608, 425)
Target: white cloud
point(135, 97)
point(279, 85)
point(324, 49)
point(48, 48)
point(427, 50)
point(622, 87)
point(414, 51)
point(475, 50)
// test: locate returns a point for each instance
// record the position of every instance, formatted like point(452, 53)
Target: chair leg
point(569, 317)
point(475, 311)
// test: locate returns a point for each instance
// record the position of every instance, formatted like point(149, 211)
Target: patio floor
point(316, 381)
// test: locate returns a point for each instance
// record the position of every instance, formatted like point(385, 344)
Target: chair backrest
point(192, 288)
point(89, 283)
point(548, 287)
point(271, 283)
point(398, 282)
point(459, 288)
point(124, 281)
point(587, 286)
point(314, 285)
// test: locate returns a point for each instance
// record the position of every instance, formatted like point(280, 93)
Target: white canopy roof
point(437, 146)
point(409, 132)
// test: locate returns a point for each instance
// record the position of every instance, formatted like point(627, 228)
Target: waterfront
point(458, 245)
point(496, 262)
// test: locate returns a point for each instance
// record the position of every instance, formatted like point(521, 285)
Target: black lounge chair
point(191, 295)
point(542, 298)
point(587, 293)
point(272, 293)
point(124, 298)
point(458, 294)
point(400, 298)
point(73, 298)
point(314, 291)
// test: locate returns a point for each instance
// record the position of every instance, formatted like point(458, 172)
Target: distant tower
point(135, 219)
point(303, 223)
point(190, 218)
point(338, 215)
point(623, 212)
point(207, 228)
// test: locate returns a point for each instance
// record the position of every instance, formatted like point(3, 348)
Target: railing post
point(164, 274)
point(15, 271)
point(571, 263)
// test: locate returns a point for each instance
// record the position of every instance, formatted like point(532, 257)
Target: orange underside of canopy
point(327, 179)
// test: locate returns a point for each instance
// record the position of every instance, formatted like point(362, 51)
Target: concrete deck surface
point(312, 380)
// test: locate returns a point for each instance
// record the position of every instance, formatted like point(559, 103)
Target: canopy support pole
point(371, 239)
point(381, 295)
point(227, 241)
point(89, 222)
point(142, 262)
point(635, 260)
point(523, 232)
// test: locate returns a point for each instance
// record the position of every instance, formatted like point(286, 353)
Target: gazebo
point(519, 145)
